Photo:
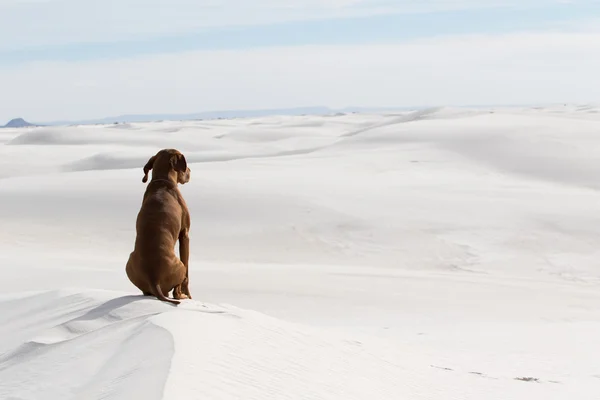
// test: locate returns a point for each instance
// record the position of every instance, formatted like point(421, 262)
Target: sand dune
point(435, 254)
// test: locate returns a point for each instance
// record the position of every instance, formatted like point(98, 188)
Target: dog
point(163, 219)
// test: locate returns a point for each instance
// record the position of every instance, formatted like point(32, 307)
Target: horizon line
point(264, 112)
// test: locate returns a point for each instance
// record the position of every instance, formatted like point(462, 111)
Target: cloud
point(587, 24)
point(58, 22)
point(517, 68)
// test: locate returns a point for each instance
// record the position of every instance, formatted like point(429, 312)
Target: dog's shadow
point(146, 306)
point(108, 309)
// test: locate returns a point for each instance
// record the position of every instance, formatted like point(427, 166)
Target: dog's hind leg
point(134, 277)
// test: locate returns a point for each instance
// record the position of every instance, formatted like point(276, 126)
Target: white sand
point(428, 255)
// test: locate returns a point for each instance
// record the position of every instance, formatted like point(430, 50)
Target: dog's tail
point(161, 296)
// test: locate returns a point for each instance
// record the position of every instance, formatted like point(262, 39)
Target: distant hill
point(17, 123)
point(221, 114)
point(230, 114)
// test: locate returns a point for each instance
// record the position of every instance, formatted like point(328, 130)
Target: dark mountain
point(17, 123)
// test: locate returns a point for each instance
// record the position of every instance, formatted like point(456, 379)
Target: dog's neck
point(162, 180)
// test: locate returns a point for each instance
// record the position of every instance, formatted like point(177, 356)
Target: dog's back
point(158, 225)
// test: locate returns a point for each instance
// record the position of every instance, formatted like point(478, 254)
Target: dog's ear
point(147, 168)
point(178, 162)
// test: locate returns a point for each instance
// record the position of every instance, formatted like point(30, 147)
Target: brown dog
point(153, 266)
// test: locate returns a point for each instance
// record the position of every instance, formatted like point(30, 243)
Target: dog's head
point(168, 163)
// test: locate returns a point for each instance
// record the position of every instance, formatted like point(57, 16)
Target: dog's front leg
point(184, 255)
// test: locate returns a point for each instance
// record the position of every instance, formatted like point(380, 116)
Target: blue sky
point(375, 27)
point(88, 45)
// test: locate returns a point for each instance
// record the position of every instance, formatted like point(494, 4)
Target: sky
point(79, 59)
